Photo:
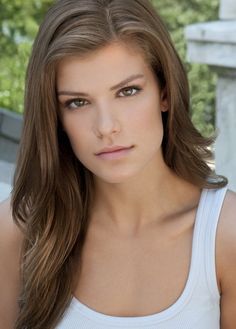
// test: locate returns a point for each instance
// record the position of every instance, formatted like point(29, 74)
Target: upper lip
point(112, 149)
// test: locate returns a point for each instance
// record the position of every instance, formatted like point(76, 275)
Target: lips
point(115, 153)
point(113, 149)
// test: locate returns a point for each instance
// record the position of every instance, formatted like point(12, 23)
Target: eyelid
point(67, 103)
point(138, 88)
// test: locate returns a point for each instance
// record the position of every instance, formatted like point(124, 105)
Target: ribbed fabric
point(198, 305)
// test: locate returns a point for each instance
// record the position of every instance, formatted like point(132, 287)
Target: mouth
point(115, 153)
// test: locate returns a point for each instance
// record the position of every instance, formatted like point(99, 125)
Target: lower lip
point(115, 155)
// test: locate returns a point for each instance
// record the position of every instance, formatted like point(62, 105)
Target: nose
point(106, 123)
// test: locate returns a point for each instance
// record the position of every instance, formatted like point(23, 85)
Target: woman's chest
point(134, 277)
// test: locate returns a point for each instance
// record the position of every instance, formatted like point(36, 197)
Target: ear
point(164, 101)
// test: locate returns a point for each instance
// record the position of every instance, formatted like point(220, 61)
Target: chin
point(115, 178)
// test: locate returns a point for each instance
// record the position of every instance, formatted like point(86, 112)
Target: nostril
point(107, 126)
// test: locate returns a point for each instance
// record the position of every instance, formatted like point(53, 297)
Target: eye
point(130, 91)
point(75, 103)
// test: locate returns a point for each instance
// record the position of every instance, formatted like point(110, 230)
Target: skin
point(137, 197)
point(127, 187)
point(110, 117)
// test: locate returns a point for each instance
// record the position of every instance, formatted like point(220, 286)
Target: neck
point(141, 200)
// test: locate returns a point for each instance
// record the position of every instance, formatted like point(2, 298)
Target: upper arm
point(226, 261)
point(10, 248)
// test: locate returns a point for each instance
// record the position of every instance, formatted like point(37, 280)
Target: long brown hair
point(52, 190)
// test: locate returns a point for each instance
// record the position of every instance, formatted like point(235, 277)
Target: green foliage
point(19, 21)
point(177, 15)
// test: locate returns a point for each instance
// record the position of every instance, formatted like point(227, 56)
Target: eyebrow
point(119, 85)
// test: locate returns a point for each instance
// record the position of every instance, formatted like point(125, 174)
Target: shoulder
point(10, 235)
point(226, 260)
point(10, 247)
point(226, 234)
point(229, 206)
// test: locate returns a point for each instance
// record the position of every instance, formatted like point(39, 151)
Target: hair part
point(52, 190)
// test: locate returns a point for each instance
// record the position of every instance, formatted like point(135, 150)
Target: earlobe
point(164, 101)
point(164, 109)
point(164, 105)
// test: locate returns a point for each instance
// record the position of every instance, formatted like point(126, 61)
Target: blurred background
point(211, 93)
point(19, 20)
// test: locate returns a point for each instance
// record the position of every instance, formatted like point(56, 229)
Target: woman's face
point(108, 99)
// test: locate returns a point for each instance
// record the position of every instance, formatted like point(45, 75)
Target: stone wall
point(214, 43)
point(10, 131)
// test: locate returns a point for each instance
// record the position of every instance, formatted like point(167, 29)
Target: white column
point(227, 9)
point(225, 147)
point(214, 43)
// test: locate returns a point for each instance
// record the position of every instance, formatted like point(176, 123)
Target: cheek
point(149, 117)
point(75, 131)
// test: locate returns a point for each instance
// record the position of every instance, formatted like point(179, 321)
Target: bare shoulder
point(226, 235)
point(229, 206)
point(10, 246)
point(10, 234)
point(226, 260)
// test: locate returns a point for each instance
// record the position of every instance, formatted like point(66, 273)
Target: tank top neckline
point(171, 310)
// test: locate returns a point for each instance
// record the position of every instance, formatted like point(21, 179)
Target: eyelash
point(69, 102)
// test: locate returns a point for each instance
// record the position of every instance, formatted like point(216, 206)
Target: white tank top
point(198, 305)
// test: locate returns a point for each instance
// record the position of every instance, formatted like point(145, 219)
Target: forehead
point(110, 63)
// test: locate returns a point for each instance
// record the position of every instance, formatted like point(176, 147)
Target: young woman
point(115, 220)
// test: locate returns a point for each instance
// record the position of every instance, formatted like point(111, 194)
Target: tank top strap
point(207, 218)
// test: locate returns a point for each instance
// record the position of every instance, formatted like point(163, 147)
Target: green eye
point(75, 103)
point(130, 91)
